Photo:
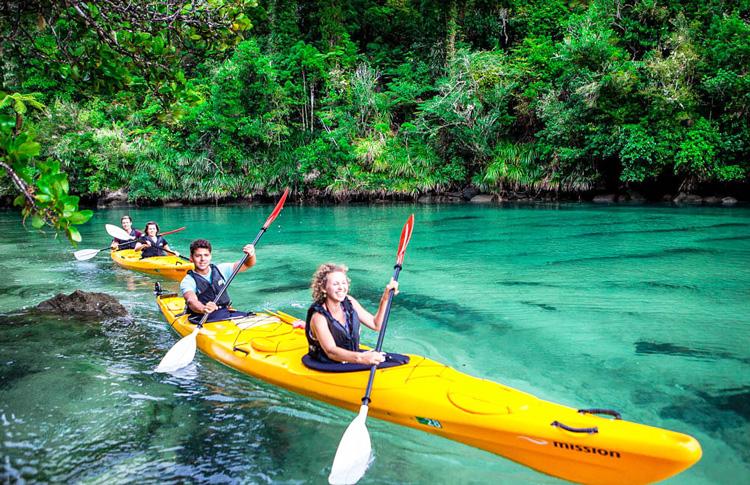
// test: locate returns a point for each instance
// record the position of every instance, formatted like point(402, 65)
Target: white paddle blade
point(86, 254)
point(181, 354)
point(117, 232)
point(354, 454)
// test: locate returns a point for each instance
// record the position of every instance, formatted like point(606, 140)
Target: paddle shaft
point(160, 234)
point(381, 336)
point(262, 231)
point(231, 277)
point(143, 235)
point(166, 251)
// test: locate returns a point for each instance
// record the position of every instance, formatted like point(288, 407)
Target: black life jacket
point(129, 242)
point(346, 337)
point(155, 248)
point(206, 291)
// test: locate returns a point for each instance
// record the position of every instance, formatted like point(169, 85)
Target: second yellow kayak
point(170, 266)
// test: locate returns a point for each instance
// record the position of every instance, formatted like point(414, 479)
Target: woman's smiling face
point(337, 286)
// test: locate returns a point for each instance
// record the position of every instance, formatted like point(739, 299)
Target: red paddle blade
point(276, 211)
point(173, 231)
point(405, 237)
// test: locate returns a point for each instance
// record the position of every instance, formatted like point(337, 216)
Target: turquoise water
point(639, 309)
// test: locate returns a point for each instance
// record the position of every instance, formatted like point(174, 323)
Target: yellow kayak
point(170, 266)
point(585, 447)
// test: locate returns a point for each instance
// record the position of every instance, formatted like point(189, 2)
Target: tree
point(44, 188)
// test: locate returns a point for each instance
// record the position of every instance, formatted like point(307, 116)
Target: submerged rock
point(83, 303)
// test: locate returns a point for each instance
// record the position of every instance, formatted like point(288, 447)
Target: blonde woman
point(334, 319)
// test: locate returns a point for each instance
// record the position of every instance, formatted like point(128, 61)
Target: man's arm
point(194, 304)
point(249, 249)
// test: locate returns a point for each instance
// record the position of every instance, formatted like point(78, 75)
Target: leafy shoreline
point(371, 99)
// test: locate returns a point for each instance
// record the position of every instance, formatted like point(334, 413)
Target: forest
point(218, 100)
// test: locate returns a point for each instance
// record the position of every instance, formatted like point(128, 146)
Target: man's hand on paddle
point(210, 307)
point(249, 251)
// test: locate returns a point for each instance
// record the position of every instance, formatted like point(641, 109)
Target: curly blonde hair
point(320, 278)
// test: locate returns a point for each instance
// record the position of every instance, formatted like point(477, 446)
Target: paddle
point(119, 233)
point(183, 352)
point(354, 451)
point(86, 254)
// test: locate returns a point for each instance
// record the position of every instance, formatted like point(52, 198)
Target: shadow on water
point(442, 220)
point(722, 239)
point(665, 230)
point(665, 348)
point(536, 284)
point(646, 255)
point(543, 306)
point(669, 286)
point(273, 289)
point(443, 313)
point(723, 413)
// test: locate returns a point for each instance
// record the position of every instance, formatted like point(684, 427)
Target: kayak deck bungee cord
point(588, 446)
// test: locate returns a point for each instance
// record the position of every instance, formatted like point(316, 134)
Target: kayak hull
point(435, 398)
point(170, 266)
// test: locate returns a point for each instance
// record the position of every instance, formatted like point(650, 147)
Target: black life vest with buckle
point(155, 248)
point(345, 335)
point(206, 291)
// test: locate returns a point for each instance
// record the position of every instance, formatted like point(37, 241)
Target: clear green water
point(640, 309)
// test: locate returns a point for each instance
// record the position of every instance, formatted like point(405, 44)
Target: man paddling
point(200, 287)
point(127, 225)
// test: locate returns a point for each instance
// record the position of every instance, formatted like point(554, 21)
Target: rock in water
point(83, 303)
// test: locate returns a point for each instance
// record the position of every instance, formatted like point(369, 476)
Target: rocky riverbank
point(119, 198)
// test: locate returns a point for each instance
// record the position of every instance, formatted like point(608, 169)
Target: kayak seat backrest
point(392, 360)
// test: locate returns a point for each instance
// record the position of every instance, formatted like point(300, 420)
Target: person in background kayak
point(127, 224)
point(152, 244)
point(200, 287)
point(333, 320)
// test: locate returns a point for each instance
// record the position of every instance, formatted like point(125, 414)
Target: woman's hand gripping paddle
point(86, 254)
point(183, 352)
point(355, 449)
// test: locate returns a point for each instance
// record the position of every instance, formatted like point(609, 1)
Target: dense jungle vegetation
point(216, 99)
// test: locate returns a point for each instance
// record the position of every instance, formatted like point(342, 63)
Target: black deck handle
point(558, 424)
point(608, 412)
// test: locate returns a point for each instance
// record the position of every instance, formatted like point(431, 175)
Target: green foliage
point(514, 167)
point(365, 99)
point(44, 189)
